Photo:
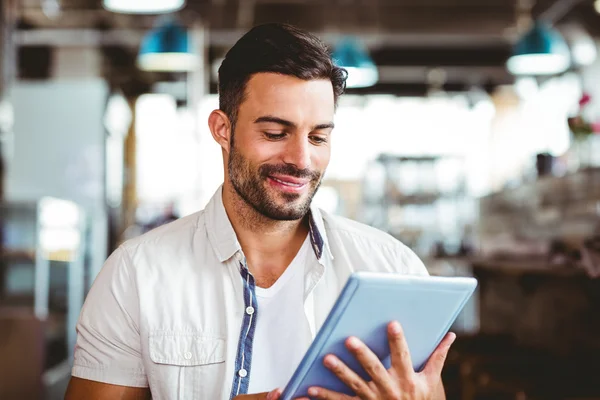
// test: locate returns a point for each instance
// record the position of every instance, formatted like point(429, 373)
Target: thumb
point(434, 366)
point(274, 395)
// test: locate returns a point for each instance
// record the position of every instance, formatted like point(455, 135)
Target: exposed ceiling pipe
point(557, 11)
point(226, 38)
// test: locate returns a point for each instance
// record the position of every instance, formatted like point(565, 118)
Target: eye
point(318, 139)
point(274, 136)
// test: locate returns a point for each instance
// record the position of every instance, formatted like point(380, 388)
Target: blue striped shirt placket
point(243, 361)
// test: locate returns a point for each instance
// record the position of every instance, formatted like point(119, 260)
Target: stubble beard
point(249, 183)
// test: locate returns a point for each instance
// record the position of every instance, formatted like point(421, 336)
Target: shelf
point(422, 198)
point(555, 185)
point(29, 256)
point(49, 281)
point(396, 158)
point(522, 267)
point(18, 255)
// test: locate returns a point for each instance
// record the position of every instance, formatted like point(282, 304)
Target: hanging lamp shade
point(541, 51)
point(143, 6)
point(167, 48)
point(362, 71)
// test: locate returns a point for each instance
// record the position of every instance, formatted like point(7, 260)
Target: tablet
point(425, 306)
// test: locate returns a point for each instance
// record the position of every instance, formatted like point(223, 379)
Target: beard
point(249, 181)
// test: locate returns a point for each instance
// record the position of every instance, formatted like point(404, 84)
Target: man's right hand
point(274, 395)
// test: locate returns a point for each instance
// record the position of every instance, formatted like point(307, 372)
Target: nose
point(297, 152)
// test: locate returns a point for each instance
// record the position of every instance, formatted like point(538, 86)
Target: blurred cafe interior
point(469, 130)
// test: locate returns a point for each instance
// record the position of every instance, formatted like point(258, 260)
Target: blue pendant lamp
point(542, 51)
point(362, 71)
point(167, 48)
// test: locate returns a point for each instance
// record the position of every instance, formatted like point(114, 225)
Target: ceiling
point(396, 16)
point(469, 39)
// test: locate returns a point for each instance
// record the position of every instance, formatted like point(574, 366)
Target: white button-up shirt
point(174, 309)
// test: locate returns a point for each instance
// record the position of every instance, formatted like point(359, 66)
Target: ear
point(220, 128)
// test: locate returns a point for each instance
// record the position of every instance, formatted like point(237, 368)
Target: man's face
point(281, 144)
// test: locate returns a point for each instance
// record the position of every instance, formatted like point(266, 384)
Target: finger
point(274, 395)
point(434, 366)
point(399, 352)
point(372, 365)
point(326, 394)
point(346, 375)
point(257, 396)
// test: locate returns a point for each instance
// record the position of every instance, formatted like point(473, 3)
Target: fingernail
point(452, 337)
point(330, 362)
point(353, 343)
point(313, 392)
point(396, 329)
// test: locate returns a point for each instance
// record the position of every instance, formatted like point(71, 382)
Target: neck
point(269, 245)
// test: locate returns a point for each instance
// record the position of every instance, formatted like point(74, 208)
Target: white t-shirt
point(282, 333)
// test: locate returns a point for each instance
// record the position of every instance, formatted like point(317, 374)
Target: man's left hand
point(399, 382)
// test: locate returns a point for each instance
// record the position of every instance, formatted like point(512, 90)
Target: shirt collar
point(224, 241)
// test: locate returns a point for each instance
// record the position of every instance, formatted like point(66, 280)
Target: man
point(225, 302)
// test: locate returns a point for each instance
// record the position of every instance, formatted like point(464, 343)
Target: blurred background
point(470, 131)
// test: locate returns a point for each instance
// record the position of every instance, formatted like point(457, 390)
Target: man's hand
point(273, 395)
point(400, 382)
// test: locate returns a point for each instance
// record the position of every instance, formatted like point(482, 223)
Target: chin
point(284, 211)
point(292, 215)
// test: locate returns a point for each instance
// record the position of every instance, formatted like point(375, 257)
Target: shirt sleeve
point(108, 347)
point(411, 263)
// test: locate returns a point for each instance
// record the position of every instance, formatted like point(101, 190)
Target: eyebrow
point(290, 124)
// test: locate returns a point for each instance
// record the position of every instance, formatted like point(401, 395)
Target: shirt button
point(239, 256)
point(249, 310)
point(242, 373)
point(187, 355)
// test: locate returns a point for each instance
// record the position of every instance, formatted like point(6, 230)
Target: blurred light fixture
point(117, 116)
point(362, 71)
point(7, 116)
point(597, 6)
point(167, 48)
point(143, 6)
point(526, 87)
point(435, 79)
point(51, 8)
point(56, 213)
point(541, 51)
point(582, 45)
point(584, 52)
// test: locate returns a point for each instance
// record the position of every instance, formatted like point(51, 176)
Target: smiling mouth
point(287, 183)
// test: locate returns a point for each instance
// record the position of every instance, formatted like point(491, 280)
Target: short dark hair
point(278, 48)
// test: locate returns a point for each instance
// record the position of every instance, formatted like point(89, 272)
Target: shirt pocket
point(186, 365)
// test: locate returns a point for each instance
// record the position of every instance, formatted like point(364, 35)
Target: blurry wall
point(76, 62)
point(58, 149)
